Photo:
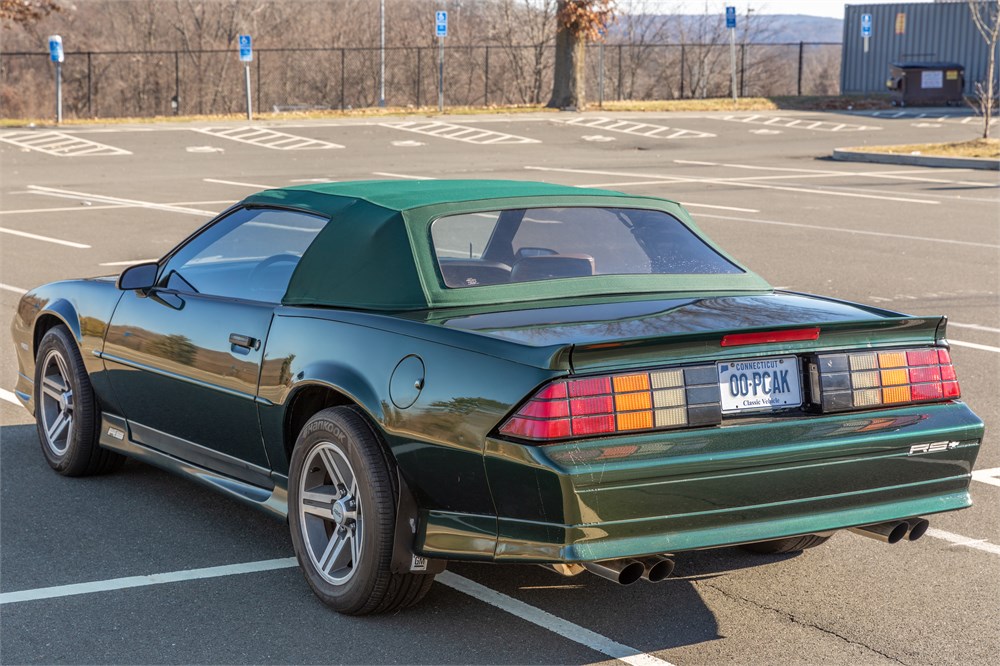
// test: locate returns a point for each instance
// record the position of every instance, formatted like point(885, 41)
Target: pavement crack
point(791, 617)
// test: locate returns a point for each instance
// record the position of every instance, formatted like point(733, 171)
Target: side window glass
point(249, 254)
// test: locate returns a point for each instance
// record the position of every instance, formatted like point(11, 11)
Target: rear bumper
point(623, 497)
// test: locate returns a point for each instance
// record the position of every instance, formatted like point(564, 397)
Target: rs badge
point(932, 447)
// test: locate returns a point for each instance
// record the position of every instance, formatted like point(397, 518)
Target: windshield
point(531, 244)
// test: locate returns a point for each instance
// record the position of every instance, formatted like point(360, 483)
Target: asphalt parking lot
point(87, 201)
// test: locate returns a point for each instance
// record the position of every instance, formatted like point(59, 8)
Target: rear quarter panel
point(438, 441)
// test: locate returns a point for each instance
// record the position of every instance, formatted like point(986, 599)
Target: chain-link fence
point(150, 83)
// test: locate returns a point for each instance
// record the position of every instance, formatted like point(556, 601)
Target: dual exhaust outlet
point(894, 531)
point(625, 572)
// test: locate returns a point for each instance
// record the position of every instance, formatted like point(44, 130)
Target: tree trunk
point(568, 86)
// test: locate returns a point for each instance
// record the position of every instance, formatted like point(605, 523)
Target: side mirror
point(140, 276)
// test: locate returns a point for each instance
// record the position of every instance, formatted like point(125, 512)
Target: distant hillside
point(769, 28)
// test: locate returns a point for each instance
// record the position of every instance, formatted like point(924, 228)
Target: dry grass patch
point(985, 148)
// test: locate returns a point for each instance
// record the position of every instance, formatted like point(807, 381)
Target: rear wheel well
point(305, 403)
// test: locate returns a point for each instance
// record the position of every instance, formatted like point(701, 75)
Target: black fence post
point(420, 73)
point(486, 90)
point(619, 72)
point(743, 61)
point(90, 94)
point(259, 54)
point(800, 68)
point(177, 81)
point(683, 66)
point(343, 65)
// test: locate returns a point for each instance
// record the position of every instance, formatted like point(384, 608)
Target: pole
point(420, 73)
point(249, 108)
point(800, 68)
point(58, 92)
point(90, 94)
point(486, 89)
point(619, 72)
point(177, 81)
point(381, 78)
point(683, 65)
point(732, 59)
point(600, 80)
point(440, 74)
point(343, 82)
point(743, 69)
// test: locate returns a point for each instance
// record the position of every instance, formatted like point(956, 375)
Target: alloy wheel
point(56, 398)
point(330, 513)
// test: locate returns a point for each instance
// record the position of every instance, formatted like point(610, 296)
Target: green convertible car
point(496, 371)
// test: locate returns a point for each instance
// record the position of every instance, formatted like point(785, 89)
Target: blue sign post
point(866, 29)
point(56, 55)
point(731, 26)
point(246, 57)
point(441, 31)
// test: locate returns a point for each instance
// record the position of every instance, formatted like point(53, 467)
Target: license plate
point(760, 384)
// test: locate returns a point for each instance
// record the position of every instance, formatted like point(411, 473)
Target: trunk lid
point(600, 336)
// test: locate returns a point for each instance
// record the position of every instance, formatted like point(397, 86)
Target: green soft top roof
point(376, 251)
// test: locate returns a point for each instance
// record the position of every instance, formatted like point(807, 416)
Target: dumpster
point(926, 83)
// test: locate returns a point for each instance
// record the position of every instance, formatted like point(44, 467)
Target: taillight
point(861, 380)
point(621, 403)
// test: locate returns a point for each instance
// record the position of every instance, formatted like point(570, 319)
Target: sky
point(833, 8)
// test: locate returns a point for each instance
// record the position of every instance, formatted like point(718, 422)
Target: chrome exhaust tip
point(918, 527)
point(623, 572)
point(891, 532)
point(657, 568)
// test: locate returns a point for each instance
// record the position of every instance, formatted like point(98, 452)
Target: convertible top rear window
point(533, 244)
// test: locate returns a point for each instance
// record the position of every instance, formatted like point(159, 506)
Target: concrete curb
point(850, 155)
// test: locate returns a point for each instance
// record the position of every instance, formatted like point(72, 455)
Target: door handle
point(244, 341)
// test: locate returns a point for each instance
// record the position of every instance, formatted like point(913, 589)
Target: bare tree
point(25, 11)
point(986, 16)
point(577, 22)
point(522, 30)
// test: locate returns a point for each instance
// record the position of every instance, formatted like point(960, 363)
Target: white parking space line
point(735, 183)
point(400, 175)
point(638, 129)
point(903, 174)
point(143, 581)
point(458, 132)
point(46, 239)
point(974, 327)
point(61, 209)
point(959, 540)
point(860, 232)
point(266, 138)
point(990, 476)
point(85, 196)
point(801, 123)
point(973, 345)
point(9, 397)
point(545, 620)
point(16, 290)
point(60, 144)
point(133, 262)
point(256, 186)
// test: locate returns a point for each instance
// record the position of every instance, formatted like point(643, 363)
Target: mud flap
point(404, 560)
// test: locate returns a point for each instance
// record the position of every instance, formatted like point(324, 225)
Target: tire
point(66, 413)
point(789, 545)
point(342, 515)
